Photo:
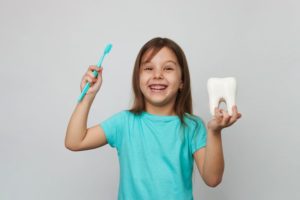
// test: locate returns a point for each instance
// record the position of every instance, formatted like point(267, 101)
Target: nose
point(158, 73)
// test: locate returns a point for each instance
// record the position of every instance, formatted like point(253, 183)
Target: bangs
point(149, 54)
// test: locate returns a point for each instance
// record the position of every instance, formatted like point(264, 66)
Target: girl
point(159, 138)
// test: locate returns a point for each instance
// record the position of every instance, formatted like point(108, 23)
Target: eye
point(147, 68)
point(169, 68)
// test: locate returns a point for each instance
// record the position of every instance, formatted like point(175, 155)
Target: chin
point(159, 102)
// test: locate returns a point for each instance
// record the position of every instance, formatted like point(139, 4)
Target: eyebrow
point(171, 62)
point(147, 61)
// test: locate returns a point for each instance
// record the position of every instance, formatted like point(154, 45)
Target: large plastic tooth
point(221, 89)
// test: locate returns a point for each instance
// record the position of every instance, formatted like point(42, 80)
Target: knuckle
point(91, 74)
point(91, 68)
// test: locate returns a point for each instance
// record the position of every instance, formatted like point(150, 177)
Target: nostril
point(159, 75)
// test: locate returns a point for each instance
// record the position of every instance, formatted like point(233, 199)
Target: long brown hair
point(183, 103)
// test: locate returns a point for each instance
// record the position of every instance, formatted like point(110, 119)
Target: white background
point(47, 46)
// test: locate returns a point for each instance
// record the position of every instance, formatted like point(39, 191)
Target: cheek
point(144, 78)
point(175, 80)
point(143, 82)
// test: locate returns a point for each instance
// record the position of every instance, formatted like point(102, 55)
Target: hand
point(95, 83)
point(222, 119)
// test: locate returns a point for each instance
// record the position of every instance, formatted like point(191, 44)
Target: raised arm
point(210, 160)
point(78, 136)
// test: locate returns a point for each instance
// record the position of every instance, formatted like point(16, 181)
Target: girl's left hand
point(222, 119)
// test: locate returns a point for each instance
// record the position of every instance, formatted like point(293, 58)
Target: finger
point(85, 80)
point(217, 112)
point(92, 67)
point(100, 72)
point(99, 75)
point(234, 109)
point(226, 117)
point(235, 118)
point(235, 112)
point(91, 74)
point(97, 70)
point(88, 78)
point(219, 115)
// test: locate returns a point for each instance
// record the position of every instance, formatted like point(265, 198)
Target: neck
point(160, 110)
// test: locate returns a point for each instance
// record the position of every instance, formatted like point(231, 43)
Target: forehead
point(159, 55)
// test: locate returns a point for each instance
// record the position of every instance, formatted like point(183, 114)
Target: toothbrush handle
point(101, 60)
point(86, 87)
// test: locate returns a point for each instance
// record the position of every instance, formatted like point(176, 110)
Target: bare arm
point(210, 160)
point(78, 137)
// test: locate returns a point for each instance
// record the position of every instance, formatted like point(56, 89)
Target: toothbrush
point(87, 86)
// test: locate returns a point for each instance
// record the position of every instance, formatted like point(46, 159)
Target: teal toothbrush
point(87, 86)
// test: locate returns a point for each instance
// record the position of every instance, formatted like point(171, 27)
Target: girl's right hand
point(95, 83)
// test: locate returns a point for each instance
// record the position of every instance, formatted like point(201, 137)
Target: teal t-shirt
point(155, 154)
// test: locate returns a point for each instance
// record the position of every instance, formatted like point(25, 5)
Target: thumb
point(99, 78)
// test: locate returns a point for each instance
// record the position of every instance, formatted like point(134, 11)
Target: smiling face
point(160, 78)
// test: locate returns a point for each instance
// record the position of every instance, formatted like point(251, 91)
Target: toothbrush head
point(106, 51)
point(107, 48)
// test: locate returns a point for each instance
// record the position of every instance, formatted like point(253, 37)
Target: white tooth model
point(221, 89)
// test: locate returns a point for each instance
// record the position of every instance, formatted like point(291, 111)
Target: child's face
point(160, 78)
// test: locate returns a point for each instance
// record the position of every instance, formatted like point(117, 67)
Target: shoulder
point(117, 117)
point(124, 115)
point(197, 131)
point(120, 114)
point(193, 120)
point(194, 123)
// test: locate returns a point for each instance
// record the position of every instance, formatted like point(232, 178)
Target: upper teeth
point(158, 87)
point(221, 89)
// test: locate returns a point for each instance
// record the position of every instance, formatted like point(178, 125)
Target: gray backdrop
point(46, 47)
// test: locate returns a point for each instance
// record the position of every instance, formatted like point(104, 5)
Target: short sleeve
point(199, 136)
point(112, 127)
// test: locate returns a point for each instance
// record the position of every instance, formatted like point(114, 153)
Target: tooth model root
point(221, 89)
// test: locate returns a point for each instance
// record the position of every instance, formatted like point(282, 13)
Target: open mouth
point(158, 87)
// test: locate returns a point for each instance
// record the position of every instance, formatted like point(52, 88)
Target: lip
point(157, 88)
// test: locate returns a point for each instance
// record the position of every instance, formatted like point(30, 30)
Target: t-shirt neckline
point(159, 117)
